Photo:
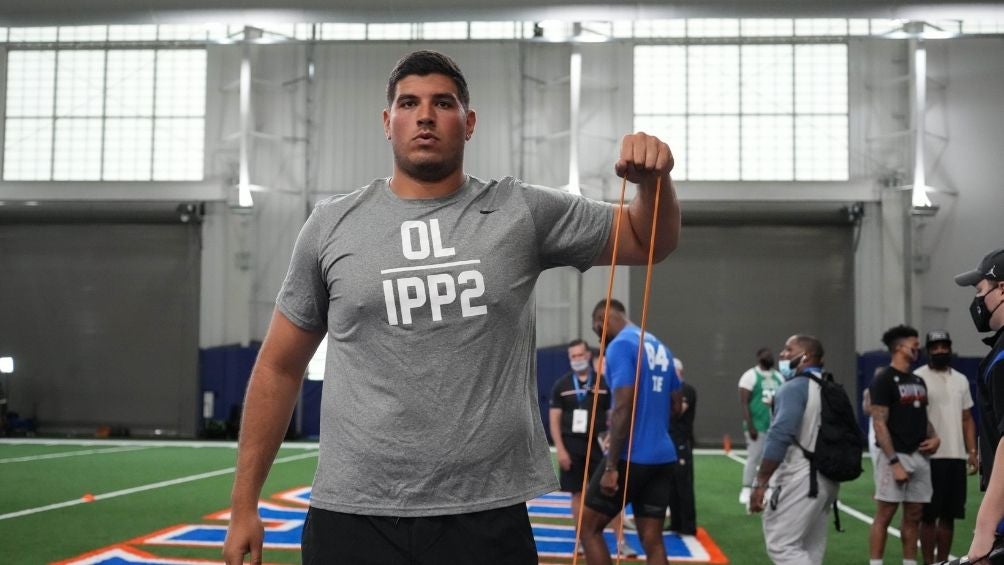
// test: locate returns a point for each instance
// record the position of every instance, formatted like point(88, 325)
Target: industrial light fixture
point(6, 365)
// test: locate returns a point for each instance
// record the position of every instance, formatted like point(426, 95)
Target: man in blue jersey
point(650, 450)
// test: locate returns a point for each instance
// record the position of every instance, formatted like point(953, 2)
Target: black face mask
point(941, 360)
point(980, 313)
point(766, 362)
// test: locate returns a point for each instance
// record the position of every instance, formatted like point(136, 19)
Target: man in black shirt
point(905, 438)
point(682, 508)
point(570, 414)
point(988, 315)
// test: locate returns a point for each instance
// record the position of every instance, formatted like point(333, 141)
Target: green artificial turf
point(66, 532)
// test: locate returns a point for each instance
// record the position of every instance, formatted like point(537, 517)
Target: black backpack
point(840, 443)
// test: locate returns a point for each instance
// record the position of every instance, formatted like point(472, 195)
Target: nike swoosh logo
point(488, 211)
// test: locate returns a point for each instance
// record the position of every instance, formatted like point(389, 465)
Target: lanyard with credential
point(581, 393)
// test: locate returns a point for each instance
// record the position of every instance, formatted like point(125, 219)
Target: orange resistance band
point(603, 341)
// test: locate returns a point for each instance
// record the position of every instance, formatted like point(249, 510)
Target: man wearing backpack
point(794, 523)
point(906, 439)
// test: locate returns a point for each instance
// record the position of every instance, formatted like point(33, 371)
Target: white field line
point(143, 442)
point(142, 488)
point(854, 513)
point(70, 454)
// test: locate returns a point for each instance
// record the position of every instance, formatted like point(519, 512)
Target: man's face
point(992, 295)
point(598, 323)
point(939, 347)
point(428, 127)
point(792, 350)
point(578, 353)
point(910, 347)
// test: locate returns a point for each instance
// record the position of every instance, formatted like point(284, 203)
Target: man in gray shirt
point(431, 440)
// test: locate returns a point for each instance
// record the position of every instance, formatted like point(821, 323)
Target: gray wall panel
point(728, 290)
point(103, 323)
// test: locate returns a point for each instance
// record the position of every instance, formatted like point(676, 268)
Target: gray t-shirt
point(430, 398)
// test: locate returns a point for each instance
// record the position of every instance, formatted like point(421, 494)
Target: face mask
point(767, 362)
point(981, 314)
point(940, 360)
point(787, 371)
point(580, 366)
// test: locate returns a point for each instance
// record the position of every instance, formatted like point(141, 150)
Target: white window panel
point(597, 30)
point(30, 83)
point(182, 32)
point(713, 148)
point(27, 149)
point(820, 27)
point(768, 148)
point(132, 33)
point(83, 33)
point(821, 148)
point(444, 30)
point(556, 30)
point(660, 79)
point(3, 34)
point(821, 79)
point(767, 79)
point(389, 31)
point(712, 27)
point(80, 83)
point(178, 149)
point(77, 154)
point(334, 31)
point(493, 30)
point(660, 28)
point(128, 147)
point(181, 82)
point(858, 26)
point(713, 79)
point(880, 27)
point(766, 27)
point(29, 34)
point(623, 29)
point(304, 31)
point(130, 83)
point(673, 131)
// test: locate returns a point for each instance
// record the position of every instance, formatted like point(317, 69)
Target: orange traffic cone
point(727, 443)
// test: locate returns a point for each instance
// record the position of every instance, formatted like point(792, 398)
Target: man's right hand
point(899, 474)
point(244, 535)
point(564, 460)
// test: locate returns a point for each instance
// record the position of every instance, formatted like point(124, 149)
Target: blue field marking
point(559, 541)
point(128, 556)
point(284, 535)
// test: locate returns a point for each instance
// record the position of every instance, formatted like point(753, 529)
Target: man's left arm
point(620, 421)
point(645, 160)
point(789, 405)
point(969, 435)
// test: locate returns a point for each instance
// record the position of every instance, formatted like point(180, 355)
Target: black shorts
point(499, 537)
point(649, 488)
point(948, 499)
point(571, 480)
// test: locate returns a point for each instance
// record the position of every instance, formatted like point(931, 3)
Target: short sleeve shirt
point(651, 443)
point(430, 395)
point(566, 397)
point(947, 396)
point(763, 386)
point(905, 394)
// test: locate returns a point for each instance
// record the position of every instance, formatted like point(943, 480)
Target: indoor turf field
point(123, 502)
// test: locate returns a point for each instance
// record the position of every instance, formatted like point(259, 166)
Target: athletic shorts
point(948, 501)
point(496, 537)
point(917, 489)
point(571, 480)
point(649, 488)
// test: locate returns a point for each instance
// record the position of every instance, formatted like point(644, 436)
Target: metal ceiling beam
point(80, 12)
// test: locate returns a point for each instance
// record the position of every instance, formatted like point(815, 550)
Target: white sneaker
point(744, 496)
point(625, 550)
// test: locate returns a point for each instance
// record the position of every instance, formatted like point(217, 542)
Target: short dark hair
point(812, 346)
point(894, 335)
point(615, 305)
point(577, 342)
point(423, 63)
point(763, 350)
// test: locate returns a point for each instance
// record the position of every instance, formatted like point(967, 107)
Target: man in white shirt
point(949, 411)
point(756, 396)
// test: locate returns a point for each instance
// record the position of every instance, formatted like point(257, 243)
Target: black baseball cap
point(991, 267)
point(936, 336)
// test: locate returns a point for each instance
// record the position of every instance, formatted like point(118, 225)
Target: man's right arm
point(268, 406)
point(744, 402)
point(564, 461)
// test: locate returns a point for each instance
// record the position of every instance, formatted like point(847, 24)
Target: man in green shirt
point(756, 395)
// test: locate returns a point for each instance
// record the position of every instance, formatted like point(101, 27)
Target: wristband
point(894, 459)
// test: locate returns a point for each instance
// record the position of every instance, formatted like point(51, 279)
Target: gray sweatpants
point(754, 453)
point(794, 528)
